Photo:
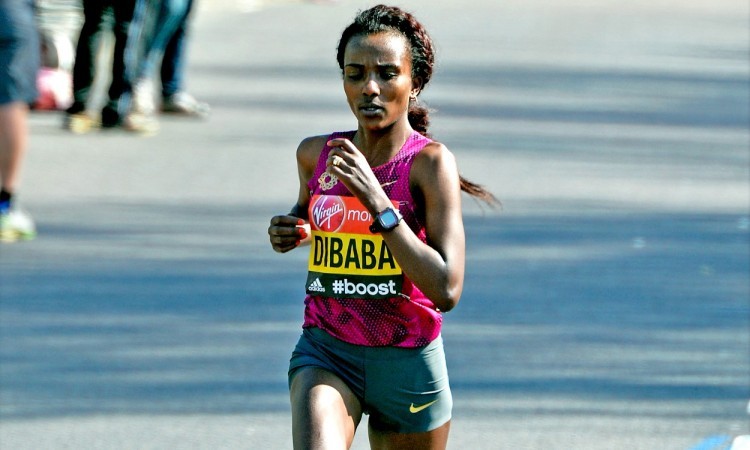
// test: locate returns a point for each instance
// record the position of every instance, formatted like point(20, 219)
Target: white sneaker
point(143, 97)
point(145, 124)
point(183, 103)
point(15, 225)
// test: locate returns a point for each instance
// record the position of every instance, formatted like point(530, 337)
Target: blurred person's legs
point(123, 14)
point(99, 16)
point(147, 42)
point(14, 223)
point(19, 63)
point(175, 99)
point(171, 14)
point(13, 142)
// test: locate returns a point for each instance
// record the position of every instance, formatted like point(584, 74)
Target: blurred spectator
point(99, 16)
point(19, 61)
point(174, 98)
point(161, 43)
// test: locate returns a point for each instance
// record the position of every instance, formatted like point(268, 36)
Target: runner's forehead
point(380, 49)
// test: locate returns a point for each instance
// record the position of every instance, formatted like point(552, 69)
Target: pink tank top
point(355, 290)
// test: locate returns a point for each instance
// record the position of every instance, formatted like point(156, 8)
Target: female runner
point(383, 205)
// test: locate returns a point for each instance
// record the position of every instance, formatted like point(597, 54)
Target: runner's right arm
point(286, 232)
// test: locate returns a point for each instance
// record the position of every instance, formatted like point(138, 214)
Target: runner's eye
point(353, 74)
point(388, 74)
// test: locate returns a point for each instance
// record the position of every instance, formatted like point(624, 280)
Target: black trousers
point(101, 16)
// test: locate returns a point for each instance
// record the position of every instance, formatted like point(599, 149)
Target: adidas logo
point(316, 286)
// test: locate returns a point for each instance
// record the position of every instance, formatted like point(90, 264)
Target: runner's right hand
point(286, 233)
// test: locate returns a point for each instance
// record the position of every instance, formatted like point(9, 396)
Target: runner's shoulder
point(309, 149)
point(434, 157)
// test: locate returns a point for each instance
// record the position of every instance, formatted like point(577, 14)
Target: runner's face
point(377, 79)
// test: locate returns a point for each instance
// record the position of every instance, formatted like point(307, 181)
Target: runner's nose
point(371, 87)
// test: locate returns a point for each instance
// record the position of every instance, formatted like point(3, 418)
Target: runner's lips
point(370, 108)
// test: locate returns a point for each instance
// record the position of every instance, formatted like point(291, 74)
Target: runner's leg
point(436, 439)
point(325, 412)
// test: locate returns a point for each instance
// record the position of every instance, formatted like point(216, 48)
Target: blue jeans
point(160, 40)
point(173, 63)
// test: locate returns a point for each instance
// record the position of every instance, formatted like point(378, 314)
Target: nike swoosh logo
point(415, 409)
point(388, 183)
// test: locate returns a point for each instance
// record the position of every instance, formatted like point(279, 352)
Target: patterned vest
point(355, 289)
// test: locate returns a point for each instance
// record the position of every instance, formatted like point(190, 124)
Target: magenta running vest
point(355, 288)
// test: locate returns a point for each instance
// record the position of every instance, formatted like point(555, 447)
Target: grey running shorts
point(404, 390)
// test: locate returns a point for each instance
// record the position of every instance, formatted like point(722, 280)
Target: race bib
point(346, 259)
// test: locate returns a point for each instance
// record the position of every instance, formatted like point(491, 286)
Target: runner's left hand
point(350, 166)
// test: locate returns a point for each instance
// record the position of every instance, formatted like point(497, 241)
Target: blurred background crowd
point(73, 33)
point(51, 52)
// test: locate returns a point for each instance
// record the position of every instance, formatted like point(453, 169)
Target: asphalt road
point(606, 305)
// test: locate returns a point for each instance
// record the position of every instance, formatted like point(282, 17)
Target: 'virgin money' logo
point(328, 213)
